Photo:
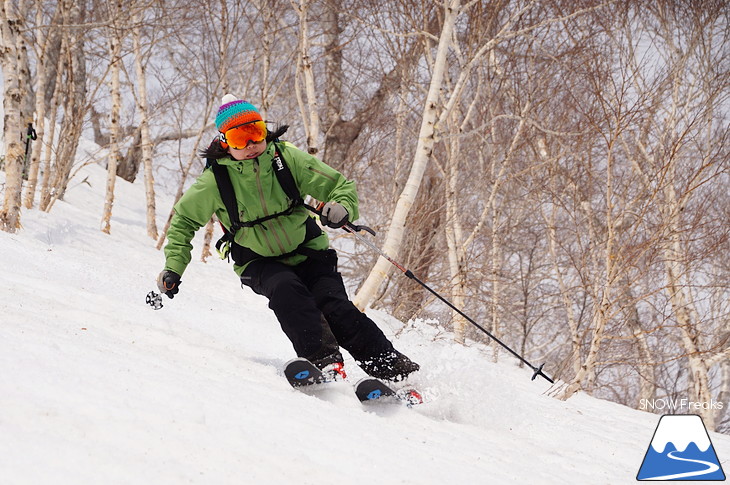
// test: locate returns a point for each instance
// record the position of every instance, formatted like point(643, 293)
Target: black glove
point(169, 283)
point(334, 215)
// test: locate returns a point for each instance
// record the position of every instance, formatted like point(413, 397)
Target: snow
point(97, 387)
point(681, 431)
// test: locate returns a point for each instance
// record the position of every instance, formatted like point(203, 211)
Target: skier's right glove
point(169, 283)
point(334, 215)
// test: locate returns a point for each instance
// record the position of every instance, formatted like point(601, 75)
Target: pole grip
point(316, 206)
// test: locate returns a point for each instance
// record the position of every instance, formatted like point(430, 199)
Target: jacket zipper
point(322, 174)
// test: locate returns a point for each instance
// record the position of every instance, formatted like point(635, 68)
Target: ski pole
point(154, 300)
point(30, 135)
point(316, 206)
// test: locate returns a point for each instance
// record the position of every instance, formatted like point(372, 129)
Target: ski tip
point(300, 372)
point(370, 390)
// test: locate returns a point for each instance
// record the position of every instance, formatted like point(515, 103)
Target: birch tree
point(14, 94)
point(680, 158)
point(72, 93)
point(43, 47)
point(396, 229)
point(437, 106)
point(144, 125)
point(48, 138)
point(645, 192)
point(308, 104)
point(116, 37)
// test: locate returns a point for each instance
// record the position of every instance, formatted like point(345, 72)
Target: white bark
point(602, 296)
point(455, 248)
point(73, 94)
point(149, 179)
point(184, 176)
point(40, 107)
point(724, 395)
point(396, 230)
point(310, 111)
point(647, 385)
point(683, 307)
point(565, 292)
point(49, 138)
point(14, 127)
point(115, 131)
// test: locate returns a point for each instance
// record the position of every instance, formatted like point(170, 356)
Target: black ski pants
point(300, 295)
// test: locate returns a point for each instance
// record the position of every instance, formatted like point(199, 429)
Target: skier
point(281, 252)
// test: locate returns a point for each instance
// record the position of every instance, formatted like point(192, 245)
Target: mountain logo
point(681, 450)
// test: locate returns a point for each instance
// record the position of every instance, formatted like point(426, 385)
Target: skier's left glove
point(169, 283)
point(334, 215)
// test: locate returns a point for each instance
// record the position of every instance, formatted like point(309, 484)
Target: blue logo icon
point(375, 394)
point(681, 450)
point(302, 375)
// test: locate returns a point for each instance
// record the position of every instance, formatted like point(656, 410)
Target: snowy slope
point(96, 387)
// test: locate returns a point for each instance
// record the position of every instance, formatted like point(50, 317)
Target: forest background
point(557, 169)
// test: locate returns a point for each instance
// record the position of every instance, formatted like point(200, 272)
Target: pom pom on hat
point(228, 98)
point(235, 112)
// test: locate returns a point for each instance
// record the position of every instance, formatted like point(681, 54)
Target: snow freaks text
point(673, 404)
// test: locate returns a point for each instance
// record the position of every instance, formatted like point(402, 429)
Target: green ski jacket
point(259, 194)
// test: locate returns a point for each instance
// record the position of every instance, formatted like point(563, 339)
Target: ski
point(301, 373)
point(370, 389)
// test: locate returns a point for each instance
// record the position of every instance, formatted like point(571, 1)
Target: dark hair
point(216, 151)
point(277, 133)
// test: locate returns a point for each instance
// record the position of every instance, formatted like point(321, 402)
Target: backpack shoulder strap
point(285, 177)
point(228, 195)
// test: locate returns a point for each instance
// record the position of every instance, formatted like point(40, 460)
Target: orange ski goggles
point(240, 136)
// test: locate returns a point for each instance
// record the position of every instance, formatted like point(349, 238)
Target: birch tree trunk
point(683, 306)
point(14, 94)
point(565, 293)
point(181, 187)
point(602, 295)
point(268, 22)
point(454, 244)
point(74, 102)
point(115, 49)
point(207, 239)
point(647, 384)
point(424, 147)
point(333, 65)
point(308, 106)
point(433, 115)
point(42, 48)
point(49, 138)
point(724, 395)
point(682, 156)
point(495, 252)
point(146, 140)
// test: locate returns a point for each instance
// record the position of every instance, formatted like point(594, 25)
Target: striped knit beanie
point(234, 113)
